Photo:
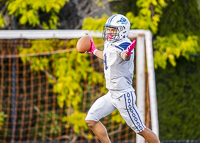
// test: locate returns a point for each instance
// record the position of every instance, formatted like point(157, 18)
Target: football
point(84, 44)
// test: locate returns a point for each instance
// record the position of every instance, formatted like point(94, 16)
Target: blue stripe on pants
point(132, 112)
point(137, 112)
point(128, 111)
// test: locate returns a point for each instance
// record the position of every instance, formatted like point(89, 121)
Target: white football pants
point(125, 104)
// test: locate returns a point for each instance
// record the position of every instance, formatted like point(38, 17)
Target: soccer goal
point(46, 87)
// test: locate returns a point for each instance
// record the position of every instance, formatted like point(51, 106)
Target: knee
point(90, 123)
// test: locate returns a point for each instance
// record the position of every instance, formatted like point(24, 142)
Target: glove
point(130, 48)
point(93, 49)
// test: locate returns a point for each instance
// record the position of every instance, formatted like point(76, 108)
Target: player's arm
point(127, 54)
point(125, 57)
point(99, 54)
point(95, 51)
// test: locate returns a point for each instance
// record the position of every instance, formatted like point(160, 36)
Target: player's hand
point(93, 49)
point(130, 48)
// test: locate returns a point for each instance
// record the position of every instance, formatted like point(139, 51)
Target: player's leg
point(149, 136)
point(101, 108)
point(99, 130)
point(130, 114)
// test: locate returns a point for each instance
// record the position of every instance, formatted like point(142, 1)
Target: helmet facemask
point(119, 22)
point(111, 36)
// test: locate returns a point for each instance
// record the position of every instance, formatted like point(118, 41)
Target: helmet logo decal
point(123, 21)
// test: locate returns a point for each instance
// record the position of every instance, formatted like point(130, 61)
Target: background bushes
point(178, 93)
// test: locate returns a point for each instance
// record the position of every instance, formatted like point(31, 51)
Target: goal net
point(47, 87)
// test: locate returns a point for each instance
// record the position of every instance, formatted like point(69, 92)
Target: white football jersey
point(118, 72)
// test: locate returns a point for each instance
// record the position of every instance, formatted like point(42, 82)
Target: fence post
point(13, 92)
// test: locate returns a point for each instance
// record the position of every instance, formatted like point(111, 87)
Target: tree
point(180, 37)
point(46, 14)
point(28, 12)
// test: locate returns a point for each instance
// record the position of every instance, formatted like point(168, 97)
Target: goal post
point(144, 59)
point(145, 74)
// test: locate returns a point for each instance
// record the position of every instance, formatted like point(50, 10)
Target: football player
point(118, 56)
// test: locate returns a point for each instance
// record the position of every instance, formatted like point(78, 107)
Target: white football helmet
point(121, 23)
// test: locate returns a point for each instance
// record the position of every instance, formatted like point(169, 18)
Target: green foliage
point(172, 47)
point(142, 22)
point(70, 76)
point(94, 23)
point(149, 15)
point(37, 47)
point(124, 6)
point(28, 11)
point(178, 33)
point(2, 21)
point(2, 118)
point(67, 71)
point(77, 120)
point(99, 3)
point(180, 16)
point(145, 19)
point(178, 100)
point(50, 120)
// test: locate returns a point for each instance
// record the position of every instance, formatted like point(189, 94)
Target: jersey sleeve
point(121, 47)
point(124, 45)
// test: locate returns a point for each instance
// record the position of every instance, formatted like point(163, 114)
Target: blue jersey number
point(105, 62)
